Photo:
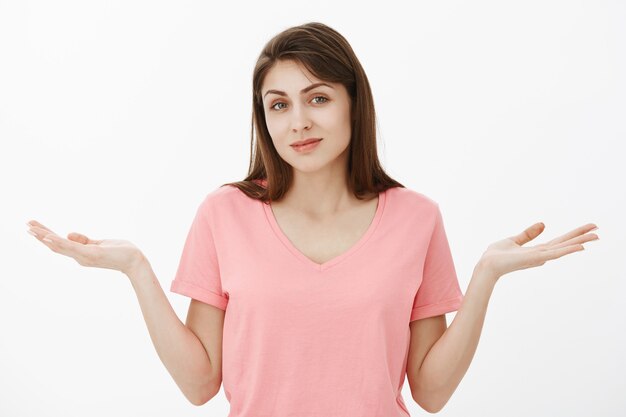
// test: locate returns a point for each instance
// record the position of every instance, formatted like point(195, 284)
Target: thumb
point(77, 237)
point(529, 234)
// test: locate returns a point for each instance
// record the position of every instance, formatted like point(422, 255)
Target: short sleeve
point(439, 291)
point(198, 274)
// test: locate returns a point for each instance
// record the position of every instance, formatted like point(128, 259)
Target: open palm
point(120, 255)
point(508, 255)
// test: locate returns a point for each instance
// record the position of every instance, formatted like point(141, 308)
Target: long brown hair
point(326, 54)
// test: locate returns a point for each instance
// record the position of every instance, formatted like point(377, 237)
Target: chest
point(323, 240)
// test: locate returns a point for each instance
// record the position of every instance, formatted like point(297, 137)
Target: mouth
point(308, 146)
point(305, 142)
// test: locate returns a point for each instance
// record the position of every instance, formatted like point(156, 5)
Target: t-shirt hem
point(200, 294)
point(431, 310)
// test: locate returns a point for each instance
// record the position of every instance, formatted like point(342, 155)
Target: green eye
point(321, 97)
point(273, 106)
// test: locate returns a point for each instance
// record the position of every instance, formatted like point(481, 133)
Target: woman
point(318, 281)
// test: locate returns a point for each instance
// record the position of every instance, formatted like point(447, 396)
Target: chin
point(307, 168)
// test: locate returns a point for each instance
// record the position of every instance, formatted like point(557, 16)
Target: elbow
point(203, 398)
point(427, 404)
point(198, 401)
point(430, 408)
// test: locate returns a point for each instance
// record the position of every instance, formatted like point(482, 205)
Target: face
point(294, 111)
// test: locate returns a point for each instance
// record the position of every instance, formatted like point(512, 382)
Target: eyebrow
point(304, 90)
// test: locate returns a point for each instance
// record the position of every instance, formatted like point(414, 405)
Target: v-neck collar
point(382, 197)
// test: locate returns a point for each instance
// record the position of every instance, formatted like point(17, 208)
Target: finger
point(587, 237)
point(61, 245)
point(35, 223)
point(550, 254)
point(76, 237)
point(80, 238)
point(39, 232)
point(528, 234)
point(79, 252)
point(574, 233)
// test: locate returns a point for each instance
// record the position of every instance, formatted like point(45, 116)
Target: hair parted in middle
point(327, 55)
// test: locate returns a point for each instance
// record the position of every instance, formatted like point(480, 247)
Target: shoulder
point(227, 201)
point(221, 196)
point(407, 199)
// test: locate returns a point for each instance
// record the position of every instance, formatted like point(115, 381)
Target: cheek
point(275, 127)
point(339, 118)
point(271, 128)
point(343, 127)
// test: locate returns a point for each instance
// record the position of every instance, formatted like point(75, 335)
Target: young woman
point(318, 282)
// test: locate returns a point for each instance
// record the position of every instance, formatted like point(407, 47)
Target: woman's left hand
point(508, 255)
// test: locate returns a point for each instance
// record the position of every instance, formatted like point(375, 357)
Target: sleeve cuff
point(431, 310)
point(200, 294)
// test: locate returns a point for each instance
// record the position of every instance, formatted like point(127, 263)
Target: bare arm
point(180, 350)
point(192, 352)
point(449, 358)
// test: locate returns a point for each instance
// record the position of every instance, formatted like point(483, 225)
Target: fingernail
point(595, 228)
point(32, 233)
point(45, 239)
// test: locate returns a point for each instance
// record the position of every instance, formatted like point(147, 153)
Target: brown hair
point(326, 54)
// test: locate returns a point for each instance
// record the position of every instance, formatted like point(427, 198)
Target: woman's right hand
point(120, 255)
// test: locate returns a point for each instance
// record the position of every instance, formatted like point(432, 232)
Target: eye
point(273, 106)
point(325, 99)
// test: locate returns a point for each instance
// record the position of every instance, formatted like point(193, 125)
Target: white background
point(118, 117)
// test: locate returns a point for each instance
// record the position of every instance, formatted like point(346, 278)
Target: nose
point(300, 119)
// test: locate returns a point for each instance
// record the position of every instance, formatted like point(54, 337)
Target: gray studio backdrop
point(118, 117)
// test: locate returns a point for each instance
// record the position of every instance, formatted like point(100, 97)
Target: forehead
point(288, 76)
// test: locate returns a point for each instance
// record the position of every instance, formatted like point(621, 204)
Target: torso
point(323, 240)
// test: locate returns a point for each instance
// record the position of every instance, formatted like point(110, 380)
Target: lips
point(305, 141)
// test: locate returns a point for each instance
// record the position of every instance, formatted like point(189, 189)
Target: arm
point(434, 379)
point(191, 353)
point(180, 350)
point(448, 359)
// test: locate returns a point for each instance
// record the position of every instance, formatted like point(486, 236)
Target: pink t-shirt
point(317, 340)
